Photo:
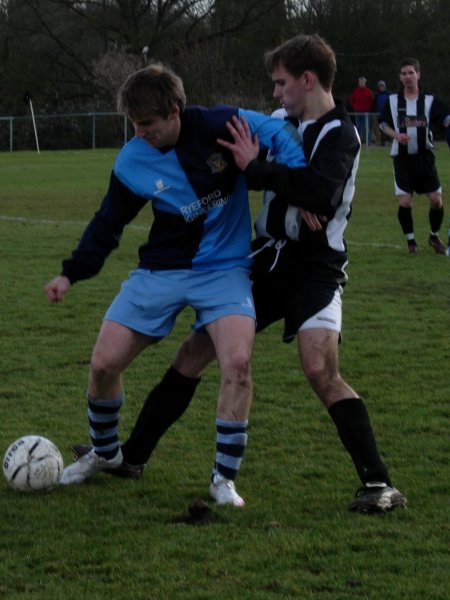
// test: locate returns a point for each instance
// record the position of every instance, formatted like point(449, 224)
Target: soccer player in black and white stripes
point(407, 118)
point(299, 266)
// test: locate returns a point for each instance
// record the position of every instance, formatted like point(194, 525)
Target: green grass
point(114, 539)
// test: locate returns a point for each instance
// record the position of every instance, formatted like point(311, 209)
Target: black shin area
point(405, 219)
point(355, 431)
point(436, 216)
point(163, 406)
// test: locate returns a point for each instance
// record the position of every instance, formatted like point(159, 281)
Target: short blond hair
point(153, 90)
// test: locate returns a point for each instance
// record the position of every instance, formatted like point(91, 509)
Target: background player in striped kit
point(407, 118)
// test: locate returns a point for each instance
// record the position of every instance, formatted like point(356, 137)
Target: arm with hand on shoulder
point(245, 148)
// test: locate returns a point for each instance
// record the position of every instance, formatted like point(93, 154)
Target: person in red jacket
point(361, 101)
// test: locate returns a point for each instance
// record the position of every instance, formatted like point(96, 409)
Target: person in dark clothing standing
point(381, 96)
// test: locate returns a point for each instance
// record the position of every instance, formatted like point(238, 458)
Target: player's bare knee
point(193, 356)
point(319, 376)
point(237, 370)
point(435, 202)
point(101, 369)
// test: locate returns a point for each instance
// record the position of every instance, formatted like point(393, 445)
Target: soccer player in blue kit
point(196, 255)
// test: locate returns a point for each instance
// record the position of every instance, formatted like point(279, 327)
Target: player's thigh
point(117, 346)
point(319, 350)
point(194, 355)
point(233, 337)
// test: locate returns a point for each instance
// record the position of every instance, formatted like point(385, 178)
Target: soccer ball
point(32, 463)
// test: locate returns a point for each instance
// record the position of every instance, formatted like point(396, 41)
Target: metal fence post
point(93, 131)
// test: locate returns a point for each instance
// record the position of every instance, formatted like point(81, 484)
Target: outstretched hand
point(56, 289)
point(245, 147)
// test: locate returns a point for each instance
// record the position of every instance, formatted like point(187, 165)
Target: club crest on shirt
point(216, 163)
point(160, 187)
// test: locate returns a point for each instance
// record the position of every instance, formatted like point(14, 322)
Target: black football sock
point(164, 405)
point(355, 431)
point(436, 216)
point(405, 219)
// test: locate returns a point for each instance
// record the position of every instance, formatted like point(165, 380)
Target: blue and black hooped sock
point(104, 425)
point(231, 440)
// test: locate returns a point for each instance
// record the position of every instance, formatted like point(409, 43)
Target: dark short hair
point(413, 62)
point(153, 90)
point(305, 53)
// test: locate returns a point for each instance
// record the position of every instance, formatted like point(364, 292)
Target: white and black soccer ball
point(32, 464)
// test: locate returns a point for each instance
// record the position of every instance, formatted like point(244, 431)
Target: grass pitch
point(114, 539)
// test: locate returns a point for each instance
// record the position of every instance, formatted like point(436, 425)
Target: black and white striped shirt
point(326, 186)
point(414, 117)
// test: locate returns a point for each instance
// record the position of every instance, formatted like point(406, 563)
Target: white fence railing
point(64, 131)
point(95, 130)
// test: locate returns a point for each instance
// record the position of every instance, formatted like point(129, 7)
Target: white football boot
point(88, 465)
point(224, 492)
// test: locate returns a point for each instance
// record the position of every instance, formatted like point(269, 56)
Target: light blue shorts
point(149, 301)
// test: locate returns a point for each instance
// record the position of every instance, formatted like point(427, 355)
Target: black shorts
point(293, 300)
point(416, 173)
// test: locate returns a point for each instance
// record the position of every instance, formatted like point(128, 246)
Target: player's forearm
point(89, 256)
point(388, 130)
point(303, 187)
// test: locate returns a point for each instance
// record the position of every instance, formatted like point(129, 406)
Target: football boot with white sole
point(224, 492)
point(377, 498)
point(88, 465)
point(125, 470)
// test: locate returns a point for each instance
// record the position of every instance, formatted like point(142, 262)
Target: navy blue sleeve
point(103, 233)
